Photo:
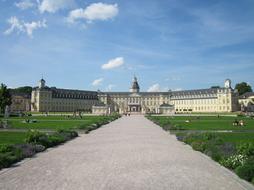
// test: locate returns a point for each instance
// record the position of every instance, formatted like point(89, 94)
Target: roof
point(246, 95)
point(166, 105)
point(24, 95)
point(61, 90)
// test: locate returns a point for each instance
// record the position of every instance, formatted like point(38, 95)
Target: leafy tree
point(5, 97)
point(23, 89)
point(243, 87)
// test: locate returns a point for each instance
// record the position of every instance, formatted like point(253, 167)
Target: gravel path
point(128, 154)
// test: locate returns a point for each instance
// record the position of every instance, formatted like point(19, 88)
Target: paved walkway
point(128, 154)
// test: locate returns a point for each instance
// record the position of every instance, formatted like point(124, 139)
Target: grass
point(237, 138)
point(55, 122)
point(8, 137)
point(205, 122)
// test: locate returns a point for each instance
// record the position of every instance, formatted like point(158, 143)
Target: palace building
point(51, 99)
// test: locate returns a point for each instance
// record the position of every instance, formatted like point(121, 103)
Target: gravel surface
point(128, 154)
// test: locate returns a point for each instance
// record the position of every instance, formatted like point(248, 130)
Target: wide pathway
point(128, 154)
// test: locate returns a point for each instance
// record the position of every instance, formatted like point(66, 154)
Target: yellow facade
point(189, 101)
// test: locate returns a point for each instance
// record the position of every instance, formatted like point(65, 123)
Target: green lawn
point(55, 122)
point(237, 138)
point(7, 137)
point(205, 122)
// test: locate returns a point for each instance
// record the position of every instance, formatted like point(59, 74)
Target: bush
point(39, 148)
point(67, 134)
point(8, 158)
point(198, 145)
point(27, 150)
point(234, 161)
point(36, 137)
point(5, 148)
point(246, 171)
point(39, 138)
point(246, 149)
point(213, 152)
point(227, 149)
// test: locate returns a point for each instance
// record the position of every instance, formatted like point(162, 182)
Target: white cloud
point(154, 88)
point(24, 4)
point(95, 11)
point(53, 6)
point(113, 63)
point(15, 24)
point(24, 27)
point(178, 89)
point(30, 27)
point(97, 82)
point(110, 87)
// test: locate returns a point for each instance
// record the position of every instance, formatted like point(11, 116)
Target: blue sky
point(92, 45)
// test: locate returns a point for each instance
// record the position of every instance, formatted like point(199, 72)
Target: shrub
point(67, 134)
point(36, 137)
point(234, 161)
point(54, 140)
point(246, 171)
point(246, 149)
point(39, 148)
point(227, 149)
point(5, 148)
point(213, 152)
point(8, 158)
point(27, 150)
point(198, 145)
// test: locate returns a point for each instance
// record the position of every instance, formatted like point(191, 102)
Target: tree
point(5, 97)
point(243, 87)
point(23, 89)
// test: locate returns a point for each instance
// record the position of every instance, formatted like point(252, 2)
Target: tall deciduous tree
point(243, 87)
point(5, 97)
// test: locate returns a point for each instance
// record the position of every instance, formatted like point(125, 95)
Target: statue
point(7, 112)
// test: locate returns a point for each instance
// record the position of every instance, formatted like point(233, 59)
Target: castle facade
point(51, 99)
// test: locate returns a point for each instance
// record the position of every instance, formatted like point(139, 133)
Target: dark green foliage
point(9, 155)
point(49, 140)
point(227, 149)
point(67, 134)
point(246, 149)
point(5, 97)
point(54, 140)
point(24, 90)
point(243, 87)
point(36, 137)
point(28, 150)
point(246, 171)
point(5, 148)
point(198, 145)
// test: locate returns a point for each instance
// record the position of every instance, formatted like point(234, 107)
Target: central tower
point(134, 87)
